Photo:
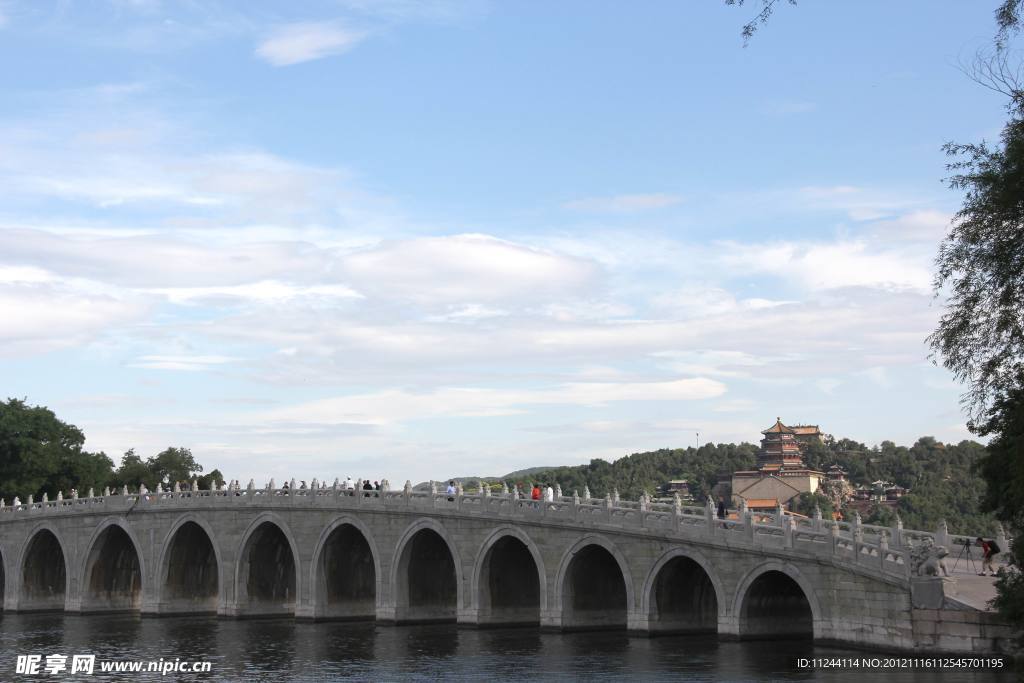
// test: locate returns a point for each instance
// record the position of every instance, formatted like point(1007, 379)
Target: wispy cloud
point(832, 265)
point(398, 405)
point(306, 41)
point(623, 203)
point(181, 362)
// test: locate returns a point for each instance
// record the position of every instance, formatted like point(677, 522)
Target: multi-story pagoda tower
point(779, 448)
point(781, 474)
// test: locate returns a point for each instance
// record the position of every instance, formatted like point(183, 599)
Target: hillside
point(941, 476)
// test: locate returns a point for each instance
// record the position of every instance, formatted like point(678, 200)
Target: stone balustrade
point(882, 551)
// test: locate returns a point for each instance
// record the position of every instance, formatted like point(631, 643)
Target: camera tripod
point(965, 553)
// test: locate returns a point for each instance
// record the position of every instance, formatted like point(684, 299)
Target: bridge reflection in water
point(475, 559)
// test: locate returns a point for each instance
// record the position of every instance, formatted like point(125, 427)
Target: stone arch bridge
point(405, 556)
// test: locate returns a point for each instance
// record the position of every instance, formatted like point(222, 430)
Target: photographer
point(989, 549)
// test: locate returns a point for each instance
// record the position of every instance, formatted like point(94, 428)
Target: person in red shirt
point(989, 550)
point(535, 494)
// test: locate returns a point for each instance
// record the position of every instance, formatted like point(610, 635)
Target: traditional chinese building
point(781, 474)
point(806, 434)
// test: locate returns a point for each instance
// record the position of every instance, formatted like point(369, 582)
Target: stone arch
point(112, 569)
point(516, 549)
point(189, 577)
point(597, 604)
point(44, 571)
point(364, 592)
point(774, 600)
point(683, 594)
point(423, 597)
point(271, 584)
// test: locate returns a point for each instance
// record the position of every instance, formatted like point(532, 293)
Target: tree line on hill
point(943, 479)
point(41, 454)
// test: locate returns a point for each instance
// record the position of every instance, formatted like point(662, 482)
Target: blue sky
point(416, 239)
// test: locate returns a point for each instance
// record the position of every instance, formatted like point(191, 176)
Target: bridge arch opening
point(113, 575)
point(347, 575)
point(683, 599)
point(268, 572)
point(191, 582)
point(44, 574)
point(594, 592)
point(775, 606)
point(509, 587)
point(427, 584)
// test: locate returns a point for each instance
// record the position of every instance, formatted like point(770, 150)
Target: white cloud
point(828, 385)
point(879, 376)
point(40, 317)
point(926, 224)
point(623, 203)
point(395, 405)
point(181, 362)
point(715, 363)
point(264, 291)
point(467, 313)
point(858, 203)
point(307, 41)
point(817, 266)
point(465, 269)
point(739, 405)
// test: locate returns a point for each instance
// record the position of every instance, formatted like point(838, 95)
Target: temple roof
point(778, 428)
point(805, 429)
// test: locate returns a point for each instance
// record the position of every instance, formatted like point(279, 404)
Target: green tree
point(174, 464)
point(806, 502)
point(133, 472)
point(41, 454)
point(980, 337)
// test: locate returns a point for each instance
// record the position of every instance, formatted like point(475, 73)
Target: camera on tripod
point(965, 553)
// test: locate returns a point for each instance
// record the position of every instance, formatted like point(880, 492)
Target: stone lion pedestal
point(930, 592)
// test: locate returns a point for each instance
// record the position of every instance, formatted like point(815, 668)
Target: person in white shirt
point(349, 484)
point(549, 494)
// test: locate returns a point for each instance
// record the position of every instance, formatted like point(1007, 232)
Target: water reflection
point(285, 650)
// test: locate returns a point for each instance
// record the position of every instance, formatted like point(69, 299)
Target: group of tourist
point(547, 493)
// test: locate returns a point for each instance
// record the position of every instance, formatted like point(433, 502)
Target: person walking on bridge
point(989, 550)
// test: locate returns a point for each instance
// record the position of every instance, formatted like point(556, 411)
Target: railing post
point(942, 535)
point(817, 518)
point(883, 548)
point(897, 532)
point(709, 515)
point(835, 538)
point(748, 521)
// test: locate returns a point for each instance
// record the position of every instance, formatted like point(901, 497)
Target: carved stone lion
point(929, 559)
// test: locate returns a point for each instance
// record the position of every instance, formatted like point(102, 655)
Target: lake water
point(286, 650)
